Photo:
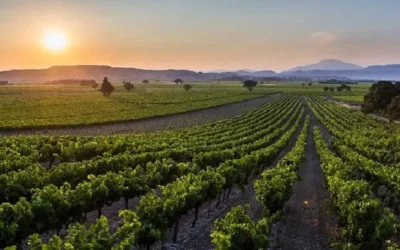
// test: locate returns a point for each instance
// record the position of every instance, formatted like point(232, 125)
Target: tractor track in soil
point(308, 221)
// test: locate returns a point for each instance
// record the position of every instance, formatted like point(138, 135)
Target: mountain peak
point(328, 64)
point(329, 60)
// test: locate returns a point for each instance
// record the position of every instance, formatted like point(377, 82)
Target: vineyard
point(58, 106)
point(298, 172)
point(54, 106)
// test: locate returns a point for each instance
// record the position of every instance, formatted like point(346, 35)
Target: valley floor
point(168, 122)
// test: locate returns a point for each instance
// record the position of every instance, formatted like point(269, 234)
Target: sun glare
point(55, 41)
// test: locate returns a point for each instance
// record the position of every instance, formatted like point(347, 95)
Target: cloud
point(323, 38)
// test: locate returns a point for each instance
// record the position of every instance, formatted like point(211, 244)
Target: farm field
point(300, 172)
point(358, 98)
point(33, 106)
point(62, 105)
point(184, 125)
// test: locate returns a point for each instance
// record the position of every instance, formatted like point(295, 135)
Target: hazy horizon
point(199, 35)
point(204, 70)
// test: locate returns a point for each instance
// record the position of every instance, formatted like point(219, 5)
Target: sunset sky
point(199, 34)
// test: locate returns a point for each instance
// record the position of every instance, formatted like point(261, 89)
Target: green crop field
point(199, 125)
point(55, 182)
point(350, 98)
point(35, 106)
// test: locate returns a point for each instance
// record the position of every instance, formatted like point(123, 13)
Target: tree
point(178, 81)
point(379, 97)
point(106, 87)
point(310, 83)
point(343, 87)
point(326, 89)
point(128, 86)
point(303, 84)
point(145, 81)
point(187, 87)
point(95, 85)
point(249, 84)
point(332, 89)
point(346, 87)
point(393, 109)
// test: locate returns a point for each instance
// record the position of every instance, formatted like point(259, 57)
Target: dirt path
point(168, 122)
point(307, 222)
point(198, 238)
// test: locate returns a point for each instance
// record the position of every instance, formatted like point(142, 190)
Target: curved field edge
point(48, 111)
point(169, 121)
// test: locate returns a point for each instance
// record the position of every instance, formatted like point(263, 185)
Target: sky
point(199, 34)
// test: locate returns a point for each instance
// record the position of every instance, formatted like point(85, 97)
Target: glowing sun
point(55, 41)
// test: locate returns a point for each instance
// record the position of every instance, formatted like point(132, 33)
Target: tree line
point(107, 88)
point(383, 98)
point(81, 82)
point(334, 81)
point(338, 89)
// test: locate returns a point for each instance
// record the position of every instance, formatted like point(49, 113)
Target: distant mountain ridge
point(260, 73)
point(376, 72)
point(327, 64)
point(97, 72)
point(323, 71)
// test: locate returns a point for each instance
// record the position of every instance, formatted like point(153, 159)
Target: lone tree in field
point(95, 85)
point(249, 84)
point(106, 87)
point(128, 86)
point(326, 89)
point(393, 110)
point(145, 81)
point(187, 87)
point(310, 84)
point(178, 81)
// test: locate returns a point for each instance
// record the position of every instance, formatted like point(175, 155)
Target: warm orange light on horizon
point(55, 41)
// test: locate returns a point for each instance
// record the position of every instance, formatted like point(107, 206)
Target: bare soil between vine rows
point(308, 221)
